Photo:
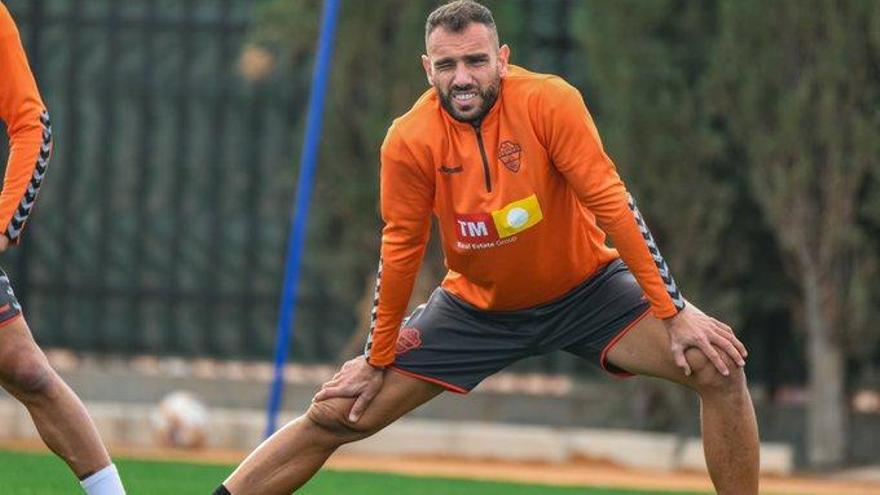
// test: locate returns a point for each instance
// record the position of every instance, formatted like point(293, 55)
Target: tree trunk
point(826, 411)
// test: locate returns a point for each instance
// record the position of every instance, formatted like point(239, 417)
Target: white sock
point(104, 482)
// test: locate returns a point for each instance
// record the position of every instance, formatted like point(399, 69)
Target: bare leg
point(290, 457)
point(59, 415)
point(730, 430)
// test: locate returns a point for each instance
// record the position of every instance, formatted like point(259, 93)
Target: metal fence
point(161, 226)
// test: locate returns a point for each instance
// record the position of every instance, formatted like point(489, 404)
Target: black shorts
point(9, 307)
point(454, 344)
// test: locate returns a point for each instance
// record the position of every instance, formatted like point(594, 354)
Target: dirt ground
point(569, 474)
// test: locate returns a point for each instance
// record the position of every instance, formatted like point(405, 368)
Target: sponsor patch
point(517, 216)
point(485, 230)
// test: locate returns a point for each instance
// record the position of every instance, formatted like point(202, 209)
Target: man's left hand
point(693, 328)
point(4, 243)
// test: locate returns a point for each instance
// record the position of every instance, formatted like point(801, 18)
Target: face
point(466, 70)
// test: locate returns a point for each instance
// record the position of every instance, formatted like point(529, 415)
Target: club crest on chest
point(510, 154)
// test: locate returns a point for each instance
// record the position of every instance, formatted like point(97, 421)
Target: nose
point(461, 77)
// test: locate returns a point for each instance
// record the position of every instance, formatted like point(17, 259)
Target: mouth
point(468, 102)
point(464, 96)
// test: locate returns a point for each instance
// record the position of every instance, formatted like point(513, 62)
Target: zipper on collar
point(483, 155)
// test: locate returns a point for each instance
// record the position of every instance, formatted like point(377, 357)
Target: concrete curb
point(130, 424)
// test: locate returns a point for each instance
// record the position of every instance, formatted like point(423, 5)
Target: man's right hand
point(358, 380)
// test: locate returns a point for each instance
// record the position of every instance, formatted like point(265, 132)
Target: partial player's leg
point(58, 414)
point(445, 343)
point(730, 430)
point(290, 457)
point(60, 417)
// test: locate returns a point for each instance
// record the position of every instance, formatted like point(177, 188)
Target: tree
point(645, 62)
point(796, 85)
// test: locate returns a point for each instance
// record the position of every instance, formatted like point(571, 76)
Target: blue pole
point(301, 209)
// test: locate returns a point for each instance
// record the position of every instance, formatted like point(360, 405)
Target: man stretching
point(511, 165)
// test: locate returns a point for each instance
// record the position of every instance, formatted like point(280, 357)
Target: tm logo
point(475, 227)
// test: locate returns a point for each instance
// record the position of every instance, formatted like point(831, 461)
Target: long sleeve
point(406, 199)
point(576, 150)
point(27, 124)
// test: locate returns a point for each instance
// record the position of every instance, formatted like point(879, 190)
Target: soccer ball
point(180, 421)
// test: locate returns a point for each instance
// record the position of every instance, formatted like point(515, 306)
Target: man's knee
point(705, 377)
point(331, 415)
point(27, 374)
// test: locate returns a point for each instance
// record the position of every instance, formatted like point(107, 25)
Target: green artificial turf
point(27, 473)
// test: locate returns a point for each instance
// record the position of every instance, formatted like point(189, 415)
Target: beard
point(487, 97)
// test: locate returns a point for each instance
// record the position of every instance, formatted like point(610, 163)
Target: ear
point(503, 59)
point(429, 71)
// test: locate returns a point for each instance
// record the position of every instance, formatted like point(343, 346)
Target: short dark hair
point(457, 15)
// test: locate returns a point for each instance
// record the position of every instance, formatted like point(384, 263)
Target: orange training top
point(523, 201)
point(27, 124)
